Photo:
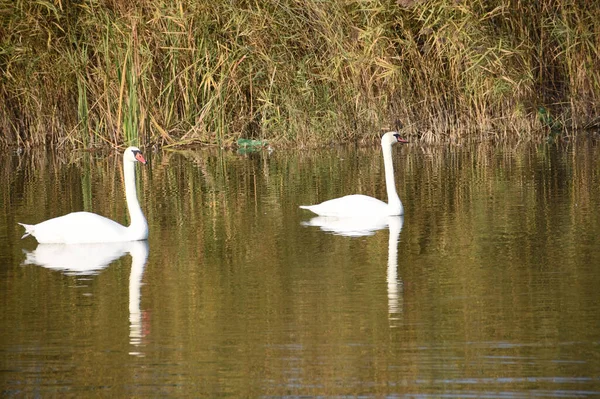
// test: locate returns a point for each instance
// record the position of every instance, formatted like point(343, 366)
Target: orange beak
point(140, 158)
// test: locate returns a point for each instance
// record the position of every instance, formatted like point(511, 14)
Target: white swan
point(358, 205)
point(86, 227)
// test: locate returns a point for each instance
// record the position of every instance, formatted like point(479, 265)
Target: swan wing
point(356, 205)
point(78, 228)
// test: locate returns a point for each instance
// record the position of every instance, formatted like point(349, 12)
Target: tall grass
point(114, 72)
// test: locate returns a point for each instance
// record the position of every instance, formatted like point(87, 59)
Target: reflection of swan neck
point(139, 255)
point(135, 283)
point(390, 183)
point(394, 284)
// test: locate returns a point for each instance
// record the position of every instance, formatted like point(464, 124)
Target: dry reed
point(113, 72)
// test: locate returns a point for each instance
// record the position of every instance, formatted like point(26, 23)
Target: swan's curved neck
point(394, 202)
point(138, 221)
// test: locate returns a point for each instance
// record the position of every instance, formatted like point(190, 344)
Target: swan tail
point(28, 229)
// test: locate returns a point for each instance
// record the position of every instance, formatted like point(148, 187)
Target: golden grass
point(114, 72)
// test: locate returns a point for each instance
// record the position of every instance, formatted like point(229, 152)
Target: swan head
point(391, 138)
point(133, 154)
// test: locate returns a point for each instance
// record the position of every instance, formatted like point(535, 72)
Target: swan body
point(87, 227)
point(358, 205)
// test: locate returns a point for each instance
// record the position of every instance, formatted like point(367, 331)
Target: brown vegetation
point(109, 72)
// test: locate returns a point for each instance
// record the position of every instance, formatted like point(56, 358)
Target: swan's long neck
point(138, 221)
point(394, 202)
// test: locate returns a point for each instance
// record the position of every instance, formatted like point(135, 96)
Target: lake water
point(489, 286)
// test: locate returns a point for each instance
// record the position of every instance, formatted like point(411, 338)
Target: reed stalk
point(294, 72)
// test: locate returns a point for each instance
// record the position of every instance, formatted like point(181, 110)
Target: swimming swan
point(86, 227)
point(358, 205)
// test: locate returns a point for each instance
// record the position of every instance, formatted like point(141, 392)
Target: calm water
point(488, 287)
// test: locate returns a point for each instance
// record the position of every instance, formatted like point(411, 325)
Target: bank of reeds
point(305, 72)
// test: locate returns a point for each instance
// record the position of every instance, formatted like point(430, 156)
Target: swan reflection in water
point(91, 259)
point(360, 227)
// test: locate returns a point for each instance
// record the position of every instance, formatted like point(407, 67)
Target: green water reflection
point(488, 286)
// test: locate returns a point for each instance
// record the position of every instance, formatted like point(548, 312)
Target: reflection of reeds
point(227, 250)
point(112, 73)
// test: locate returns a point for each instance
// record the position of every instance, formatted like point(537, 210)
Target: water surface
point(487, 287)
